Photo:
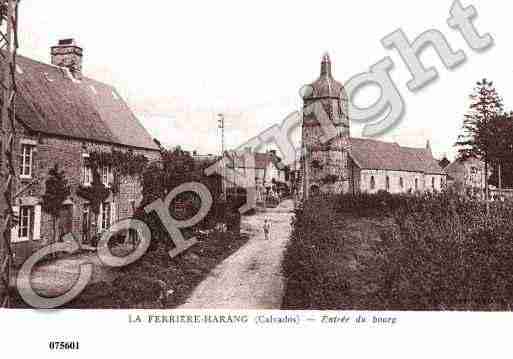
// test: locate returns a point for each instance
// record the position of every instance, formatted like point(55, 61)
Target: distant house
point(383, 166)
point(64, 116)
point(467, 176)
point(265, 167)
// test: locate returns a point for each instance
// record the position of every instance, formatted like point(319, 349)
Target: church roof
point(379, 155)
point(51, 101)
point(325, 86)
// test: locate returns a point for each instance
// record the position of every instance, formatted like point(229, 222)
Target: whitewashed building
point(384, 166)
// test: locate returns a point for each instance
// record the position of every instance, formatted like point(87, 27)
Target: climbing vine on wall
point(121, 163)
point(330, 179)
point(124, 163)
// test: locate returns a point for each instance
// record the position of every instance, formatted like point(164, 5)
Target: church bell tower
point(324, 158)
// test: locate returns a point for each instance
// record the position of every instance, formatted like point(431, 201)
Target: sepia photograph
point(333, 165)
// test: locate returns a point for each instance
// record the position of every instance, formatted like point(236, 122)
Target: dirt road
point(251, 278)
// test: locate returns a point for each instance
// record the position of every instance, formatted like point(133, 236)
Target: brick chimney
point(68, 54)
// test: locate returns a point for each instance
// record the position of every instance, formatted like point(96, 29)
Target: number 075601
point(64, 345)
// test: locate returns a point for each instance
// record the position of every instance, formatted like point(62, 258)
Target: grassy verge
point(143, 283)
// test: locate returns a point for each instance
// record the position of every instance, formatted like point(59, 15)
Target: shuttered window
point(26, 219)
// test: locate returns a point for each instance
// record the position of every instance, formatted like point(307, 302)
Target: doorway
point(65, 221)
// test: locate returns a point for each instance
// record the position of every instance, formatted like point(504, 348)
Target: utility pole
point(221, 123)
point(8, 48)
point(305, 173)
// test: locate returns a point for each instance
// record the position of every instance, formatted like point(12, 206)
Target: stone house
point(62, 117)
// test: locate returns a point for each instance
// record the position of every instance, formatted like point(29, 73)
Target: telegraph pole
point(8, 48)
point(221, 123)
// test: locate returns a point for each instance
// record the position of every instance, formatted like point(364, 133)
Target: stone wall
point(68, 154)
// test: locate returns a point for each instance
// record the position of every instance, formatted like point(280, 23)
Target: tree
point(502, 151)
point(480, 126)
point(56, 192)
point(444, 162)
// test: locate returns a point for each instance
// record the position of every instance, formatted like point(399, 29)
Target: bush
point(436, 251)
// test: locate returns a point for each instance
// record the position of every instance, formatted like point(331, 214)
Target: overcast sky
point(180, 63)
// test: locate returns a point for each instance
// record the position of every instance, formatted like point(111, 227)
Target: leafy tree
point(56, 192)
point(444, 162)
point(479, 138)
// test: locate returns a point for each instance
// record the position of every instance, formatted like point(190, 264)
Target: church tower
point(324, 158)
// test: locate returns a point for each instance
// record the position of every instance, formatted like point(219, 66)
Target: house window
point(25, 223)
point(26, 161)
point(387, 183)
point(87, 173)
point(372, 182)
point(106, 216)
point(416, 184)
point(106, 175)
point(401, 182)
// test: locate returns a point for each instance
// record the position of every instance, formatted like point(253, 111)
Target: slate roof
point(379, 155)
point(50, 101)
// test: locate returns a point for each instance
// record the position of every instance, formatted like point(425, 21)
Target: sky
point(178, 64)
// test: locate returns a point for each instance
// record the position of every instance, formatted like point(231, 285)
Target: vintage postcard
point(213, 167)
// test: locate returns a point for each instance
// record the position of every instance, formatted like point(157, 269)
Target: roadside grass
point(384, 252)
point(157, 280)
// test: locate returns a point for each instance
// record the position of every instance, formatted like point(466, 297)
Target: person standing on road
point(267, 228)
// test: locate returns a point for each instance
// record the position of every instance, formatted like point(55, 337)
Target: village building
point(265, 167)
point(345, 164)
point(62, 117)
point(467, 176)
point(384, 166)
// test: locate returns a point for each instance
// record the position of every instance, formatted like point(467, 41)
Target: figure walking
point(267, 229)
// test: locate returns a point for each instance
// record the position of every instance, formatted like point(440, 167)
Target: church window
point(387, 183)
point(416, 184)
point(372, 182)
point(401, 182)
point(433, 183)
